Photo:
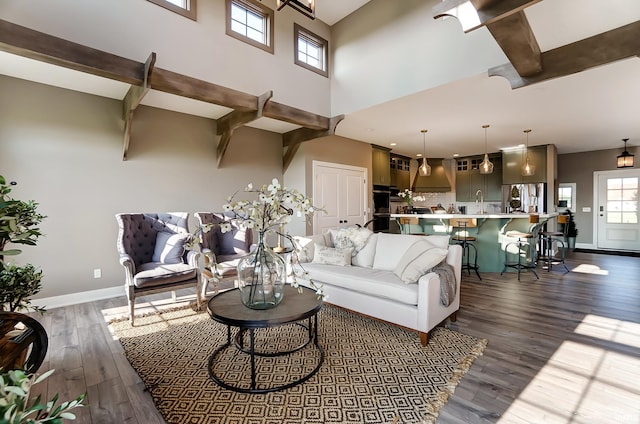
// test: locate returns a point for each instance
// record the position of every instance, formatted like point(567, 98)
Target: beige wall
point(578, 168)
point(384, 51)
point(65, 151)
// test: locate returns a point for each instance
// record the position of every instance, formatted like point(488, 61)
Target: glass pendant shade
point(486, 167)
point(625, 159)
point(425, 169)
point(529, 168)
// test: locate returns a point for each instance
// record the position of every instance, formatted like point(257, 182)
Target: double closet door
point(342, 191)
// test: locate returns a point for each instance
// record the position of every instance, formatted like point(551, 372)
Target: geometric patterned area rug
point(373, 372)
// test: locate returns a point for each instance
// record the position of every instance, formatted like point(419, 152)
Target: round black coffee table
point(295, 308)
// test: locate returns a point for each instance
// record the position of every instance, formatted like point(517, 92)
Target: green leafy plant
point(19, 221)
point(15, 405)
point(17, 285)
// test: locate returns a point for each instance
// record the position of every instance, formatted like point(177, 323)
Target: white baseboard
point(75, 298)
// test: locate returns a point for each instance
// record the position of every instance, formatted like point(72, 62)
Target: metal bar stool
point(525, 244)
point(547, 240)
point(461, 236)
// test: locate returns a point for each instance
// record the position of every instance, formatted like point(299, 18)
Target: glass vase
point(261, 278)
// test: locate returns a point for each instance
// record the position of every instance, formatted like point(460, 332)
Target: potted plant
point(19, 222)
point(571, 232)
point(18, 225)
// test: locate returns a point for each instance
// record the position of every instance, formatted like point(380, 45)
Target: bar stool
point(461, 236)
point(406, 224)
point(525, 243)
point(547, 239)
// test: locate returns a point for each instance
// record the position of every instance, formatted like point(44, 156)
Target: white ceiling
point(591, 110)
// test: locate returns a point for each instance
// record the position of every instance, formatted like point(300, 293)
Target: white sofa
point(369, 285)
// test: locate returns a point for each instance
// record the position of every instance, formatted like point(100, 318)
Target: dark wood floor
point(562, 349)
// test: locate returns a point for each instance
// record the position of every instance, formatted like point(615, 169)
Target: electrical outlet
point(97, 273)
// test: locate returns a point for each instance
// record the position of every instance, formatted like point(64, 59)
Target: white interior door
point(341, 191)
point(617, 222)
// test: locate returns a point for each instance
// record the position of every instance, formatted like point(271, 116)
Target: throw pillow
point(169, 247)
point(418, 260)
point(355, 237)
point(366, 256)
point(304, 247)
point(332, 255)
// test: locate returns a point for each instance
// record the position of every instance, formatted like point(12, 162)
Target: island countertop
point(478, 215)
point(491, 232)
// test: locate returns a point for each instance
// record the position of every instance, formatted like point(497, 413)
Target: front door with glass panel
point(617, 210)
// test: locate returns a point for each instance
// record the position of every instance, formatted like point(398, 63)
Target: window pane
point(179, 3)
point(238, 14)
point(629, 183)
point(629, 218)
point(254, 35)
point(238, 27)
point(614, 183)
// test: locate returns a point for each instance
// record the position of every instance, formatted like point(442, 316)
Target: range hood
point(436, 182)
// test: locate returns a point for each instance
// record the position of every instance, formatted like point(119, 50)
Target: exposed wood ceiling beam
point(36, 45)
point(296, 116)
point(515, 37)
point(486, 11)
point(507, 23)
point(293, 139)
point(610, 46)
point(185, 86)
point(233, 120)
point(131, 101)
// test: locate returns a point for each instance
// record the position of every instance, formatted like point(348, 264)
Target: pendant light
point(425, 169)
point(486, 167)
point(625, 159)
point(528, 169)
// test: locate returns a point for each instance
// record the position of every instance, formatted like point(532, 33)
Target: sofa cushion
point(418, 260)
point(370, 281)
point(169, 247)
point(153, 274)
point(390, 248)
point(304, 247)
point(355, 237)
point(366, 256)
point(332, 255)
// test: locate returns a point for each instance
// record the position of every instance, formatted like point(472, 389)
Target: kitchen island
point(491, 232)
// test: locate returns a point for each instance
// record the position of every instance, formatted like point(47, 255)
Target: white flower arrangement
point(409, 197)
point(274, 207)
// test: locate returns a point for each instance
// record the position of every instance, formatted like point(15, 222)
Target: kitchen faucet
point(479, 192)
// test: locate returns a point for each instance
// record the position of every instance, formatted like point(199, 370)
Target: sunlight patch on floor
point(585, 384)
point(590, 269)
point(623, 332)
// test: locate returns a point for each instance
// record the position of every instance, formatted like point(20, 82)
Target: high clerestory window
point(185, 8)
point(311, 51)
point(251, 22)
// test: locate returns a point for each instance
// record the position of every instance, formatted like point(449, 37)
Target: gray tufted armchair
point(152, 251)
point(221, 251)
